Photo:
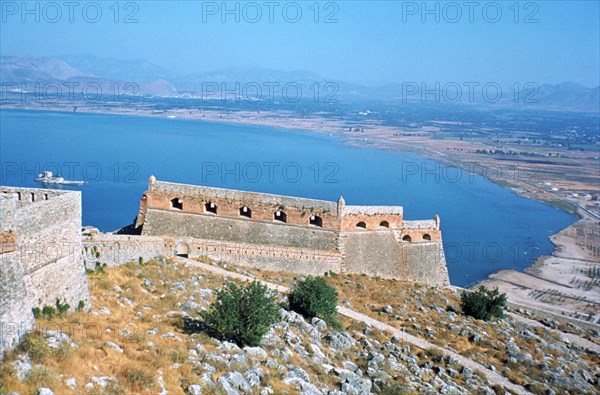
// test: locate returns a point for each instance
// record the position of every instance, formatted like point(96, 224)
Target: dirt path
point(493, 377)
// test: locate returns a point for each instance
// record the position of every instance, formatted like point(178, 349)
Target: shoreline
point(563, 283)
point(531, 287)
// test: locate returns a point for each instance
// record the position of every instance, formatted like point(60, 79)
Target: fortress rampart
point(298, 235)
point(43, 256)
point(40, 256)
point(276, 209)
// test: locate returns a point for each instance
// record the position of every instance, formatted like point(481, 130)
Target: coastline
point(564, 283)
point(550, 284)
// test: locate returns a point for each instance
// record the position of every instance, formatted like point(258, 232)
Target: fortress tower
point(40, 256)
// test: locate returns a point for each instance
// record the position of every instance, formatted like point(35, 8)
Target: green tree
point(315, 297)
point(483, 304)
point(243, 313)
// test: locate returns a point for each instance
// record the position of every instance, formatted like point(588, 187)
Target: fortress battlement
point(26, 196)
point(235, 195)
point(374, 210)
point(268, 207)
point(292, 234)
point(422, 224)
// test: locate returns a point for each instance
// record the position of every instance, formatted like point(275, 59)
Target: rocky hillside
point(144, 336)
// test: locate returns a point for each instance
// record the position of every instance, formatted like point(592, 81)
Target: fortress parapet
point(232, 203)
point(373, 240)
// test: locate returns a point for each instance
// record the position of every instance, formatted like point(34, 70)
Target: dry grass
point(136, 310)
point(126, 325)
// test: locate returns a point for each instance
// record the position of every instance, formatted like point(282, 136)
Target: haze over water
point(485, 227)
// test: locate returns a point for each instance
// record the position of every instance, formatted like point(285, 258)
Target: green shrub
point(62, 308)
point(48, 311)
point(81, 305)
point(331, 273)
point(483, 304)
point(100, 267)
point(314, 297)
point(243, 313)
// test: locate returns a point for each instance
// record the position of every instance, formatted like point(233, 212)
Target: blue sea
point(485, 227)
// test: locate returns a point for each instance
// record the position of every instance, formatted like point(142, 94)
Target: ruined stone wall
point(115, 250)
point(45, 263)
point(16, 317)
point(377, 253)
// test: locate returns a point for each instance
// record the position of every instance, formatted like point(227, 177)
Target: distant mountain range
point(153, 80)
point(108, 75)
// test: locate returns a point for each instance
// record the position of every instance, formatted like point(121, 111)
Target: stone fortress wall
point(297, 235)
point(40, 256)
point(43, 255)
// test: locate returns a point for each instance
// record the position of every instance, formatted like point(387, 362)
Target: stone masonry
point(297, 235)
point(43, 256)
point(40, 256)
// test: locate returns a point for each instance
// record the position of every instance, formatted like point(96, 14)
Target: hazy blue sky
point(367, 42)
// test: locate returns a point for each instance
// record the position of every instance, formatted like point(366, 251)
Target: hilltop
point(142, 337)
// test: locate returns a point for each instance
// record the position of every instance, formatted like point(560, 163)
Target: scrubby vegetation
point(483, 304)
point(50, 311)
point(243, 313)
point(314, 297)
point(435, 315)
point(133, 342)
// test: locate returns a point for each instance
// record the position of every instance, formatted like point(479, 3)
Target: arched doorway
point(182, 250)
point(384, 224)
point(406, 238)
point(361, 225)
point(426, 236)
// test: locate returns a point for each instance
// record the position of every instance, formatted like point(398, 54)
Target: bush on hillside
point(483, 304)
point(314, 297)
point(243, 313)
